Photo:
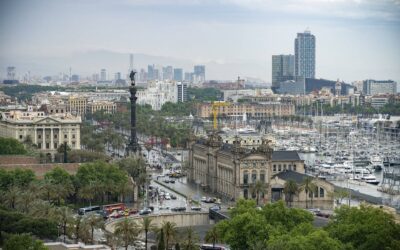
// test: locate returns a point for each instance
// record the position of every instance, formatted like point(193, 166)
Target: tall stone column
point(35, 139)
point(51, 139)
point(43, 138)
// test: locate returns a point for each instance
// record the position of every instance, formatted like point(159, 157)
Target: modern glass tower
point(282, 69)
point(304, 53)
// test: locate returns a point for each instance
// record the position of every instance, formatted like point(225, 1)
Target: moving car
point(145, 211)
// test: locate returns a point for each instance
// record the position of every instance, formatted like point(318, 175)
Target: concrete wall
point(181, 219)
point(41, 169)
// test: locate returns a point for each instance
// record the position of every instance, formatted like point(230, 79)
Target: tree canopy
point(11, 146)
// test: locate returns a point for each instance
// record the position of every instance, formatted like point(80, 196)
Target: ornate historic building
point(46, 131)
point(230, 171)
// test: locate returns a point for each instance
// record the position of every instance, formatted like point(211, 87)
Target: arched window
point(274, 168)
point(284, 166)
point(245, 177)
point(321, 192)
point(253, 176)
point(279, 167)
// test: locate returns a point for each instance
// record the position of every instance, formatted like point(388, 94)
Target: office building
point(282, 69)
point(188, 76)
point(199, 74)
point(168, 73)
point(150, 72)
point(377, 87)
point(117, 76)
point(178, 75)
point(182, 92)
point(103, 75)
point(75, 78)
point(304, 53)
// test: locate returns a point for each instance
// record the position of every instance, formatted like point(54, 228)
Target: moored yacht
point(371, 179)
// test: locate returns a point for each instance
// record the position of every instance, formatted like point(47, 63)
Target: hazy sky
point(355, 39)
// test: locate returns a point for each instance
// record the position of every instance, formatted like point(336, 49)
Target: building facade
point(249, 109)
point(282, 69)
point(377, 87)
point(182, 92)
point(304, 47)
point(47, 132)
point(230, 170)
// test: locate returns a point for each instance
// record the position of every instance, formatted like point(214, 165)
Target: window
point(253, 176)
point(279, 167)
point(290, 167)
point(55, 145)
point(316, 192)
point(274, 168)
point(20, 136)
point(55, 136)
point(262, 176)
point(47, 145)
point(39, 145)
point(294, 167)
point(65, 136)
point(40, 136)
point(73, 136)
point(245, 177)
point(254, 165)
point(284, 166)
point(321, 192)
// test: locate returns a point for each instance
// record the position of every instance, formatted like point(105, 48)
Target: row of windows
point(47, 145)
point(316, 194)
point(253, 176)
point(55, 136)
point(279, 167)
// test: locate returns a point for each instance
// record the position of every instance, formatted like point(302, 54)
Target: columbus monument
point(133, 146)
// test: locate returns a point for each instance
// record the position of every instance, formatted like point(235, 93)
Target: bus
point(114, 207)
point(91, 209)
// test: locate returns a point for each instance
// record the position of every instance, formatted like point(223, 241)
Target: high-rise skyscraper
point(304, 53)
point(168, 73)
point(178, 75)
point(199, 73)
point(117, 76)
point(182, 92)
point(103, 75)
point(282, 69)
point(150, 72)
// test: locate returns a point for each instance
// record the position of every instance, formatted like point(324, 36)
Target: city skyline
point(229, 37)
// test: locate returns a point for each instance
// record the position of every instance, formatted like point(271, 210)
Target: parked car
point(203, 199)
point(196, 208)
point(173, 197)
point(171, 181)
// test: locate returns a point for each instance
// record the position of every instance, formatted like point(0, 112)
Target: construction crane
point(215, 108)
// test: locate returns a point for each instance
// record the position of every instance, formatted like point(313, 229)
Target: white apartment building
point(158, 93)
point(48, 132)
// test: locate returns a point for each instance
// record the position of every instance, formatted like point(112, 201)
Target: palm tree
point(10, 196)
point(64, 216)
point(290, 189)
point(86, 193)
point(41, 209)
point(145, 226)
point(127, 231)
point(94, 221)
point(212, 236)
point(309, 187)
point(161, 240)
point(191, 238)
point(77, 226)
point(170, 231)
point(25, 199)
point(258, 188)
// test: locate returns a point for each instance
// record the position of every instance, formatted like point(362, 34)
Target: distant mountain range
point(90, 62)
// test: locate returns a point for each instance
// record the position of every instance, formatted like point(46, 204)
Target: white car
point(167, 197)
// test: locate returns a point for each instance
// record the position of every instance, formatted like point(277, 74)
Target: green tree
point(365, 228)
point(170, 231)
point(10, 197)
point(92, 222)
point(22, 242)
point(64, 216)
point(309, 187)
point(11, 146)
point(257, 189)
point(146, 226)
point(213, 236)
point(290, 189)
point(161, 240)
point(190, 240)
point(127, 231)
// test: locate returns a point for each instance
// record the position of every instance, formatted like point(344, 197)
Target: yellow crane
point(215, 108)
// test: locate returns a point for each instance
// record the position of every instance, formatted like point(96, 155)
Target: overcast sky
point(355, 39)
